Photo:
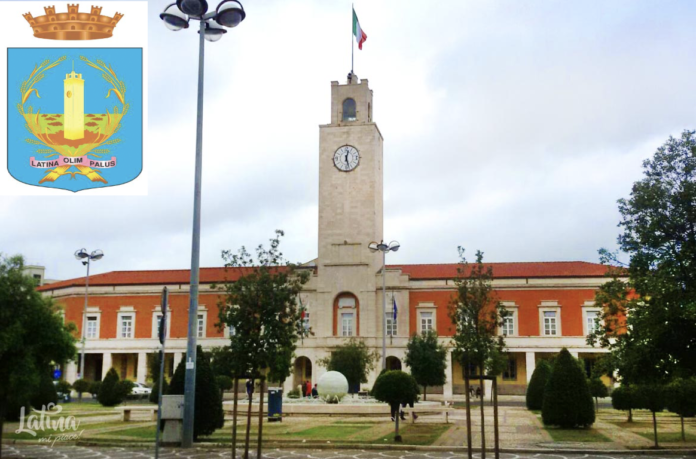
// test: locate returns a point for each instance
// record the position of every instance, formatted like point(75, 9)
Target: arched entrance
point(393, 363)
point(302, 371)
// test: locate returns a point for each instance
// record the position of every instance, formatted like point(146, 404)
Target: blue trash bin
point(275, 404)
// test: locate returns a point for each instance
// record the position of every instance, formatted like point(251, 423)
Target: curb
point(394, 447)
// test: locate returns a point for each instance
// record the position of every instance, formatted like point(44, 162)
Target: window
point(550, 323)
point(349, 110)
point(591, 318)
point(37, 278)
point(426, 321)
point(200, 327)
point(391, 324)
point(126, 326)
point(347, 324)
point(509, 325)
point(92, 327)
point(510, 373)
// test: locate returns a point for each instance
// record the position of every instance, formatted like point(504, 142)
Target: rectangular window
point(91, 331)
point(347, 324)
point(126, 326)
point(510, 373)
point(391, 324)
point(426, 321)
point(550, 323)
point(592, 324)
point(201, 325)
point(509, 325)
point(305, 321)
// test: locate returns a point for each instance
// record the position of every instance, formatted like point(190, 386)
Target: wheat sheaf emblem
point(73, 139)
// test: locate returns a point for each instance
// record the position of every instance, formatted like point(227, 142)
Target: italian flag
point(360, 35)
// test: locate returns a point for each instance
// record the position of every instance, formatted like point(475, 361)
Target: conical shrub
point(110, 392)
point(535, 389)
point(567, 398)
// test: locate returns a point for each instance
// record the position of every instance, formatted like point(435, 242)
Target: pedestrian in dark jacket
point(249, 388)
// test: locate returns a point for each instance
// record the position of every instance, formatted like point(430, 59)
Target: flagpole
point(352, 42)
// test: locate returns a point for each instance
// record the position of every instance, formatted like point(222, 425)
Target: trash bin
point(275, 404)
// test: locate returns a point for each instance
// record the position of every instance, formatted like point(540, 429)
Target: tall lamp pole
point(86, 259)
point(393, 246)
point(229, 13)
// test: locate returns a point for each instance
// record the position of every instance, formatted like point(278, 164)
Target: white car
point(140, 389)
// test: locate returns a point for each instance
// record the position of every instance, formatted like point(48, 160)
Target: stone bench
point(127, 410)
point(428, 409)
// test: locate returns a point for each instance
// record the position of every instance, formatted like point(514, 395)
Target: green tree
point(208, 415)
point(626, 398)
point(94, 388)
point(680, 398)
point(222, 361)
point(80, 386)
point(427, 359)
point(597, 389)
point(224, 383)
point(353, 359)
point(652, 397)
point(396, 388)
point(535, 389)
point(46, 392)
point(32, 337)
point(650, 321)
point(110, 391)
point(476, 314)
point(567, 398)
point(261, 306)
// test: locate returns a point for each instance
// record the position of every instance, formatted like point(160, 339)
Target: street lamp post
point(393, 246)
point(229, 13)
point(86, 259)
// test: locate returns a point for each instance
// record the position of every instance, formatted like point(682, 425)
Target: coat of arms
point(77, 121)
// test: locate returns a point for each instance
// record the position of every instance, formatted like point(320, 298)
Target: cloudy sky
point(510, 126)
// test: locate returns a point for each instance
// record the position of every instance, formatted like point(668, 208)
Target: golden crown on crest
point(73, 25)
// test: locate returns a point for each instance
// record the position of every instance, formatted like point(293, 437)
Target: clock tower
point(350, 209)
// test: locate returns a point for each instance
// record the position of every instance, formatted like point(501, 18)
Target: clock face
point(69, 94)
point(346, 158)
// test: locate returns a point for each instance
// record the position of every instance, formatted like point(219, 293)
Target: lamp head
point(96, 255)
point(213, 31)
point(230, 13)
point(195, 8)
point(81, 254)
point(373, 247)
point(394, 246)
point(174, 19)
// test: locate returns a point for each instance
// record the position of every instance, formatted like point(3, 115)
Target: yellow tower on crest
point(74, 106)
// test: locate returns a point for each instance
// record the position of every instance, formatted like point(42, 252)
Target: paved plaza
point(46, 452)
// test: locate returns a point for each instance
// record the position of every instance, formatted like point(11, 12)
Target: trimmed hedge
point(535, 389)
point(396, 387)
point(567, 398)
point(80, 386)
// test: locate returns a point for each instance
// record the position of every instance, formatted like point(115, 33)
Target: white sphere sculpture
point(332, 386)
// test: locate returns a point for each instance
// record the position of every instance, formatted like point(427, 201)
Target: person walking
point(315, 392)
point(249, 388)
point(308, 388)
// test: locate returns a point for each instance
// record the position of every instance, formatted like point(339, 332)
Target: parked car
point(140, 389)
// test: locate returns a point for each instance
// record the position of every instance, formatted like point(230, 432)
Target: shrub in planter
point(208, 415)
point(567, 398)
point(535, 390)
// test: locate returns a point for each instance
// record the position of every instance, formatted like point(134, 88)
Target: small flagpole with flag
point(360, 37)
point(394, 314)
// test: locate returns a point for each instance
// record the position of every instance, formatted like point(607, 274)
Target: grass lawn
point(577, 435)
point(666, 437)
point(417, 434)
point(88, 428)
point(358, 433)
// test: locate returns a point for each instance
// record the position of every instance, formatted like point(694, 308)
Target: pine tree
point(535, 389)
point(110, 391)
point(208, 415)
point(567, 398)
